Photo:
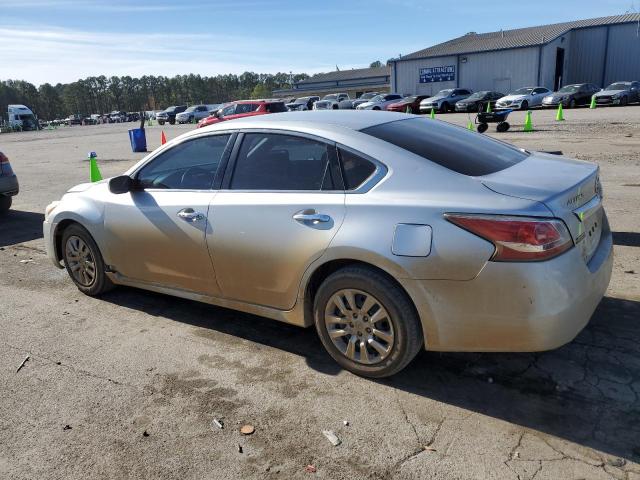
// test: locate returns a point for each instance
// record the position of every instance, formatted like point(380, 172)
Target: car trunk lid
point(569, 188)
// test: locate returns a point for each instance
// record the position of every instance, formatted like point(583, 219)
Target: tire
point(572, 103)
point(160, 122)
point(172, 122)
point(399, 331)
point(334, 107)
point(444, 108)
point(482, 127)
point(624, 101)
point(73, 239)
point(5, 203)
point(502, 127)
point(375, 108)
point(524, 106)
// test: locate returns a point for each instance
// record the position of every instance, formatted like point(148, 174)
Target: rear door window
point(268, 161)
point(450, 146)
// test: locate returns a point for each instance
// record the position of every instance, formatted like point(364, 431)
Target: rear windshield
point(276, 107)
point(452, 147)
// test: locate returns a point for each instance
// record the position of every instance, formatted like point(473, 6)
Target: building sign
point(438, 74)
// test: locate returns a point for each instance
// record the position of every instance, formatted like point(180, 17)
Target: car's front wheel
point(366, 322)
point(444, 108)
point(83, 261)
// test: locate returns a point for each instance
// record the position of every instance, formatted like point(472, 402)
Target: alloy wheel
point(359, 326)
point(81, 261)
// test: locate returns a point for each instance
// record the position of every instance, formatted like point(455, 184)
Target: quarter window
point(355, 169)
point(282, 162)
point(190, 165)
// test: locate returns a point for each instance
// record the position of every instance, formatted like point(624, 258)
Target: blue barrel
point(138, 140)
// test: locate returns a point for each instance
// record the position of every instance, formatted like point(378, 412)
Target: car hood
point(513, 97)
point(432, 99)
point(610, 92)
point(369, 104)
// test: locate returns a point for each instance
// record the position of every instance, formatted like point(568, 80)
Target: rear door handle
point(312, 217)
point(190, 215)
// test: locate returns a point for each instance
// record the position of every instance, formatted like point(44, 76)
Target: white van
point(22, 117)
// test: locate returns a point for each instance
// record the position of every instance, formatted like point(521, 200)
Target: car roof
point(351, 119)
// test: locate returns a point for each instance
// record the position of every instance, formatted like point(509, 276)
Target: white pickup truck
point(333, 101)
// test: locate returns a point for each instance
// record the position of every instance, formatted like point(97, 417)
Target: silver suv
point(445, 100)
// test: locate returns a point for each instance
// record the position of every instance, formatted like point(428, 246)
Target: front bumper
point(48, 231)
point(426, 108)
point(608, 100)
point(514, 307)
point(9, 185)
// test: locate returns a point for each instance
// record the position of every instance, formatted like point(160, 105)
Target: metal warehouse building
point(599, 50)
point(354, 82)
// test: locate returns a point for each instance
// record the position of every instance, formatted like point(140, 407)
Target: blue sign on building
point(438, 74)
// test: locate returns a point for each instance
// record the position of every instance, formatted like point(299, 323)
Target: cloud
point(48, 54)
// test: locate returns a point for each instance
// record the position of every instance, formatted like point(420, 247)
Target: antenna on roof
point(502, 33)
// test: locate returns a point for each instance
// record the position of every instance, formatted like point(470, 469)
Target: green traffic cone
point(560, 115)
point(593, 102)
point(528, 124)
point(470, 126)
point(94, 171)
point(488, 107)
point(433, 114)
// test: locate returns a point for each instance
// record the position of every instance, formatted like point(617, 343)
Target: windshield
point(618, 86)
point(569, 89)
point(190, 109)
point(444, 93)
point(378, 98)
point(522, 91)
point(330, 97)
point(367, 96)
point(170, 109)
point(302, 100)
point(466, 152)
point(477, 96)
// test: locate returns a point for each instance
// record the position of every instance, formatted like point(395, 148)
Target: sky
point(64, 40)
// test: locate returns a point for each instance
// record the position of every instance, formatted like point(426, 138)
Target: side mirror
point(121, 184)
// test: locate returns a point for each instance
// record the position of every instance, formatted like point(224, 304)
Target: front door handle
point(190, 215)
point(310, 216)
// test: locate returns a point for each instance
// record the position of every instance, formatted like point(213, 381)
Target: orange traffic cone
point(163, 139)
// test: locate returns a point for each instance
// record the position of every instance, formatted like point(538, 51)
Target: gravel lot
point(126, 386)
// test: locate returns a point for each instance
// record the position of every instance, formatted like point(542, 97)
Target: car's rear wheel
point(335, 107)
point(5, 203)
point(572, 103)
point(444, 108)
point(624, 101)
point(172, 122)
point(83, 261)
point(366, 322)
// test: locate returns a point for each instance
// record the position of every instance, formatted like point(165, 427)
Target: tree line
point(104, 94)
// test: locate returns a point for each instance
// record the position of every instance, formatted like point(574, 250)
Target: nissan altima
point(388, 232)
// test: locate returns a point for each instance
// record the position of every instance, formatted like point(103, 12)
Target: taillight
point(5, 166)
point(517, 239)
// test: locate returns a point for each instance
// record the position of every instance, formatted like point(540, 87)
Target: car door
point(538, 95)
point(156, 233)
point(281, 204)
point(635, 92)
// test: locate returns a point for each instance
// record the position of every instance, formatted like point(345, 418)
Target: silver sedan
point(388, 232)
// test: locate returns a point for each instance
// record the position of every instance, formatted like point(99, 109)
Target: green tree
point(375, 64)
point(261, 91)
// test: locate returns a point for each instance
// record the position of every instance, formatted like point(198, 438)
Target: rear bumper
point(514, 307)
point(9, 186)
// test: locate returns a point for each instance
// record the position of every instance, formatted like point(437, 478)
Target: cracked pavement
point(126, 386)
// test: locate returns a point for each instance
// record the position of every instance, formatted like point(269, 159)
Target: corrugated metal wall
point(506, 70)
point(408, 76)
point(502, 71)
point(623, 56)
point(586, 59)
point(548, 62)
